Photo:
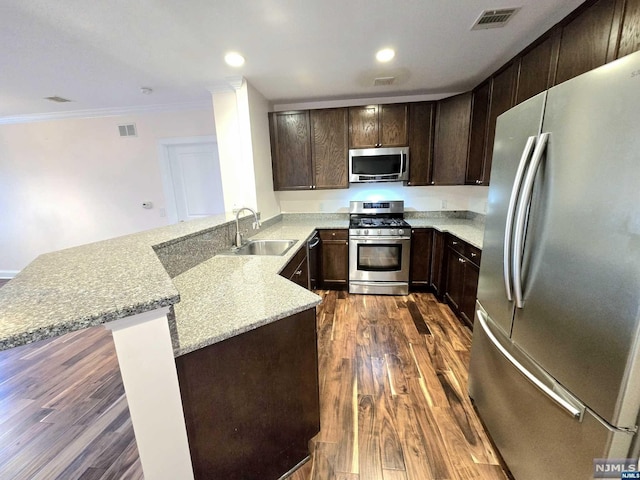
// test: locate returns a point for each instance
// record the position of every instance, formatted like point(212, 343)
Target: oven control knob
point(379, 232)
point(366, 232)
point(400, 232)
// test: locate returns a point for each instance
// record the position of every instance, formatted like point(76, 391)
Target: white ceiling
point(99, 53)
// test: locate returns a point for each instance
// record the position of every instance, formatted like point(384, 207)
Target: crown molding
point(229, 84)
point(105, 112)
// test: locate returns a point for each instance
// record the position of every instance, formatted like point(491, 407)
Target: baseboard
point(8, 274)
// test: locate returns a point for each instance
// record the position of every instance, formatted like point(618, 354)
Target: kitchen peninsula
point(134, 284)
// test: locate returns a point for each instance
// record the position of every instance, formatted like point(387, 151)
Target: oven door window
point(379, 257)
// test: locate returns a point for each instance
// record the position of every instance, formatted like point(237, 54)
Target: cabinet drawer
point(473, 254)
point(456, 244)
point(468, 251)
point(341, 234)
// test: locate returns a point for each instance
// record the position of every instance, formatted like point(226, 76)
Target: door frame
point(165, 169)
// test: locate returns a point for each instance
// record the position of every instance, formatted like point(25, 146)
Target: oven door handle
point(380, 239)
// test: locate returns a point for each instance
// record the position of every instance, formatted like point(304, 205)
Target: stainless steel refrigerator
point(555, 361)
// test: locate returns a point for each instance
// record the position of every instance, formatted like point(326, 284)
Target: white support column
point(147, 365)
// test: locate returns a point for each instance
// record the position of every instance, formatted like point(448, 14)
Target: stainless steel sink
point(264, 247)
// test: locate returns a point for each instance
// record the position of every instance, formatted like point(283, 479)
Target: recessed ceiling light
point(385, 54)
point(234, 59)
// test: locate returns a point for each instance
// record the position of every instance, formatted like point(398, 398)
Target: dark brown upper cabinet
point(291, 150)
point(421, 129)
point(453, 119)
point(477, 137)
point(500, 100)
point(309, 149)
point(630, 29)
point(586, 40)
point(537, 67)
point(330, 147)
point(378, 126)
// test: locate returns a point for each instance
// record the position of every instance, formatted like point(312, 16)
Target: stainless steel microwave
point(389, 164)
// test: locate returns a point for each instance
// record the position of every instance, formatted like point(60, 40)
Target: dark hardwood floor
point(63, 412)
point(393, 374)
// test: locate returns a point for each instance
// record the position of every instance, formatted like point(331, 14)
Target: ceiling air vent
point(494, 18)
point(381, 81)
point(127, 130)
point(57, 99)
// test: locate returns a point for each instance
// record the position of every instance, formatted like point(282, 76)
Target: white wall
point(68, 182)
point(470, 198)
point(242, 128)
point(267, 201)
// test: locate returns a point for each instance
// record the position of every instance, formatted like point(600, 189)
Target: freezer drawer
point(536, 437)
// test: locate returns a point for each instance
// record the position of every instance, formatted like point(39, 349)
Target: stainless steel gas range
point(379, 246)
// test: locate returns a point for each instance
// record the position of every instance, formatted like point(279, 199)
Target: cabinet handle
point(298, 273)
point(310, 187)
point(461, 260)
point(433, 183)
point(454, 243)
point(333, 234)
point(474, 254)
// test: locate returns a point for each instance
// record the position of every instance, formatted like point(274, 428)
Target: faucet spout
point(256, 224)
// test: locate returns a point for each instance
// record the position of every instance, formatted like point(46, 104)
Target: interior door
point(513, 131)
point(580, 319)
point(195, 180)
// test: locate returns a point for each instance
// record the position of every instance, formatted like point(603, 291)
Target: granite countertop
point(221, 297)
point(228, 294)
point(92, 284)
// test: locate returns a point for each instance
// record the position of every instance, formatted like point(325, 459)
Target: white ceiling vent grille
point(127, 130)
point(381, 81)
point(494, 18)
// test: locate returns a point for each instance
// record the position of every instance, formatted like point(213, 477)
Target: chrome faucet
point(256, 225)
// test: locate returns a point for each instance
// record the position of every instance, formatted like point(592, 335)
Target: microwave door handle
point(401, 163)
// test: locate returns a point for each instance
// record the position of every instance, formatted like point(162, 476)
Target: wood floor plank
point(392, 391)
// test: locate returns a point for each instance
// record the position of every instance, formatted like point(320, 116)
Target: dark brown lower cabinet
point(251, 402)
point(334, 263)
point(421, 253)
point(461, 286)
point(438, 264)
point(297, 270)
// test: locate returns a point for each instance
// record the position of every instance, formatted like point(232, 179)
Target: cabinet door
point(363, 126)
point(455, 279)
point(335, 259)
point(393, 126)
point(630, 32)
point(438, 263)
point(469, 293)
point(421, 124)
point(291, 150)
point(537, 67)
point(329, 147)
point(501, 100)
point(453, 119)
point(585, 41)
point(421, 252)
point(479, 113)
point(297, 270)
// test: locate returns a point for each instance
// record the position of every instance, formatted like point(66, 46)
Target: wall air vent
point(381, 81)
point(128, 130)
point(57, 99)
point(494, 18)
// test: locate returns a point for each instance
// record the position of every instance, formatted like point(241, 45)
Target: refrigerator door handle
point(521, 218)
point(568, 404)
point(511, 212)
